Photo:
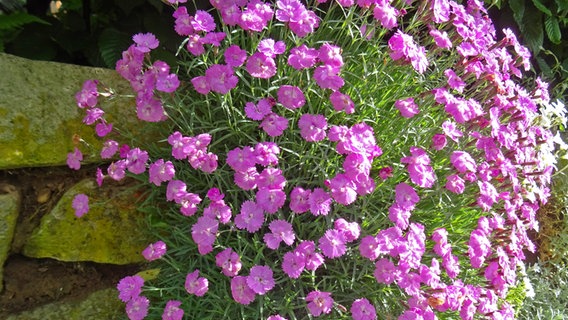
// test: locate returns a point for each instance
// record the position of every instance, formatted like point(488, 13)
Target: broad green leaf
point(18, 19)
point(553, 29)
point(544, 67)
point(540, 6)
point(518, 8)
point(111, 44)
point(533, 35)
point(562, 5)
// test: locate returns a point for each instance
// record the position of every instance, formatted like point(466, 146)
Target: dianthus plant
point(337, 159)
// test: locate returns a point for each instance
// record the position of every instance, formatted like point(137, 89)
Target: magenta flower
point(276, 317)
point(251, 217)
point(438, 141)
point(246, 180)
point(221, 78)
point(175, 190)
point(407, 107)
point(129, 287)
point(291, 97)
point(385, 172)
point(161, 171)
point(362, 309)
point(87, 97)
point(99, 177)
point(150, 109)
point(399, 215)
point(167, 83)
point(203, 21)
point(201, 85)
point(350, 230)
point(342, 102)
point(270, 200)
point(117, 170)
point(92, 115)
point(240, 290)
point(137, 308)
point(195, 45)
point(463, 162)
point(385, 271)
point(154, 251)
point(103, 128)
point(343, 189)
point(451, 131)
point(441, 38)
point(172, 311)
point(261, 66)
point(327, 77)
point(403, 46)
point(330, 55)
point(145, 42)
point(281, 231)
point(369, 248)
point(313, 259)
point(204, 233)
point(235, 56)
point(405, 196)
point(241, 159)
point(441, 10)
point(455, 184)
point(319, 302)
point(293, 263)
point(302, 57)
point(454, 81)
point(229, 262)
point(312, 127)
point(271, 178)
point(136, 160)
point(80, 204)
point(260, 279)
point(194, 284)
point(274, 125)
point(267, 153)
point(74, 159)
point(303, 22)
point(287, 9)
point(259, 110)
point(320, 202)
point(332, 244)
point(386, 14)
point(271, 48)
point(299, 200)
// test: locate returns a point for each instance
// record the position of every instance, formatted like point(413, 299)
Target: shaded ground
point(29, 283)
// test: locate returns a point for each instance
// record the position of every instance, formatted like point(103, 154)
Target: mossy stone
point(39, 117)
point(111, 232)
point(9, 211)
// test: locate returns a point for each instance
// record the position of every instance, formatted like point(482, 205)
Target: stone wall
point(39, 124)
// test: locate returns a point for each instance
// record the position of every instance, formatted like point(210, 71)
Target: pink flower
point(319, 302)
point(137, 308)
point(172, 311)
point(274, 125)
point(258, 111)
point(194, 284)
point(281, 231)
point(291, 97)
point(129, 287)
point(260, 279)
point(386, 14)
point(150, 110)
point(304, 22)
point(313, 259)
point(203, 21)
point(369, 248)
point(438, 141)
point(80, 204)
point(99, 177)
point(221, 78)
point(293, 263)
point(74, 159)
point(463, 162)
point(362, 309)
point(330, 55)
point(312, 127)
point(161, 171)
point(287, 9)
point(455, 184)
point(136, 160)
point(204, 233)
point(167, 83)
point(350, 230)
point(267, 153)
point(116, 170)
point(246, 180)
point(271, 178)
point(405, 196)
point(261, 66)
point(175, 190)
point(240, 290)
point(332, 244)
point(343, 189)
point(385, 271)
point(276, 317)
point(87, 97)
point(103, 128)
point(201, 85)
point(320, 202)
point(385, 172)
point(251, 217)
point(407, 107)
point(399, 215)
point(441, 38)
point(235, 56)
point(154, 251)
point(93, 114)
point(302, 57)
point(145, 42)
point(240, 159)
point(229, 262)
point(327, 77)
point(270, 200)
point(451, 131)
point(454, 81)
point(299, 200)
point(271, 48)
point(342, 102)
point(218, 210)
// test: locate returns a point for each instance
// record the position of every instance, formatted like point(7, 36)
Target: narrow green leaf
point(540, 6)
point(553, 29)
point(518, 8)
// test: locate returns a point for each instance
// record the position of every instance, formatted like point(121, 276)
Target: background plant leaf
point(540, 6)
point(553, 29)
point(518, 8)
point(111, 44)
point(533, 31)
point(18, 19)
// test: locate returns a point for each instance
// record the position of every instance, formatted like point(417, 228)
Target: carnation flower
point(291, 97)
point(261, 66)
point(194, 284)
point(319, 302)
point(274, 125)
point(221, 78)
point(137, 308)
point(299, 200)
point(293, 263)
point(80, 204)
point(320, 202)
point(302, 57)
point(362, 309)
point(145, 42)
point(240, 290)
point(260, 279)
point(172, 311)
point(251, 217)
point(129, 287)
point(229, 261)
point(407, 107)
point(332, 244)
point(312, 127)
point(281, 231)
point(74, 159)
point(342, 102)
point(154, 251)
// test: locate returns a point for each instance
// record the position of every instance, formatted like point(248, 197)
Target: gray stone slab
point(9, 212)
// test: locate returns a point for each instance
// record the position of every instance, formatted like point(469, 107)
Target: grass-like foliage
point(377, 159)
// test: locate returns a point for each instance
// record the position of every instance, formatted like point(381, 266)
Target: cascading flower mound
point(343, 159)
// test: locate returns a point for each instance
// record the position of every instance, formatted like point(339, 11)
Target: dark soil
point(29, 283)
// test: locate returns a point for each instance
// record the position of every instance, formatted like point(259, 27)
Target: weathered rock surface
point(100, 305)
point(39, 116)
point(111, 232)
point(9, 211)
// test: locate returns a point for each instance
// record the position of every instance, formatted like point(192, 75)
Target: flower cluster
point(325, 94)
